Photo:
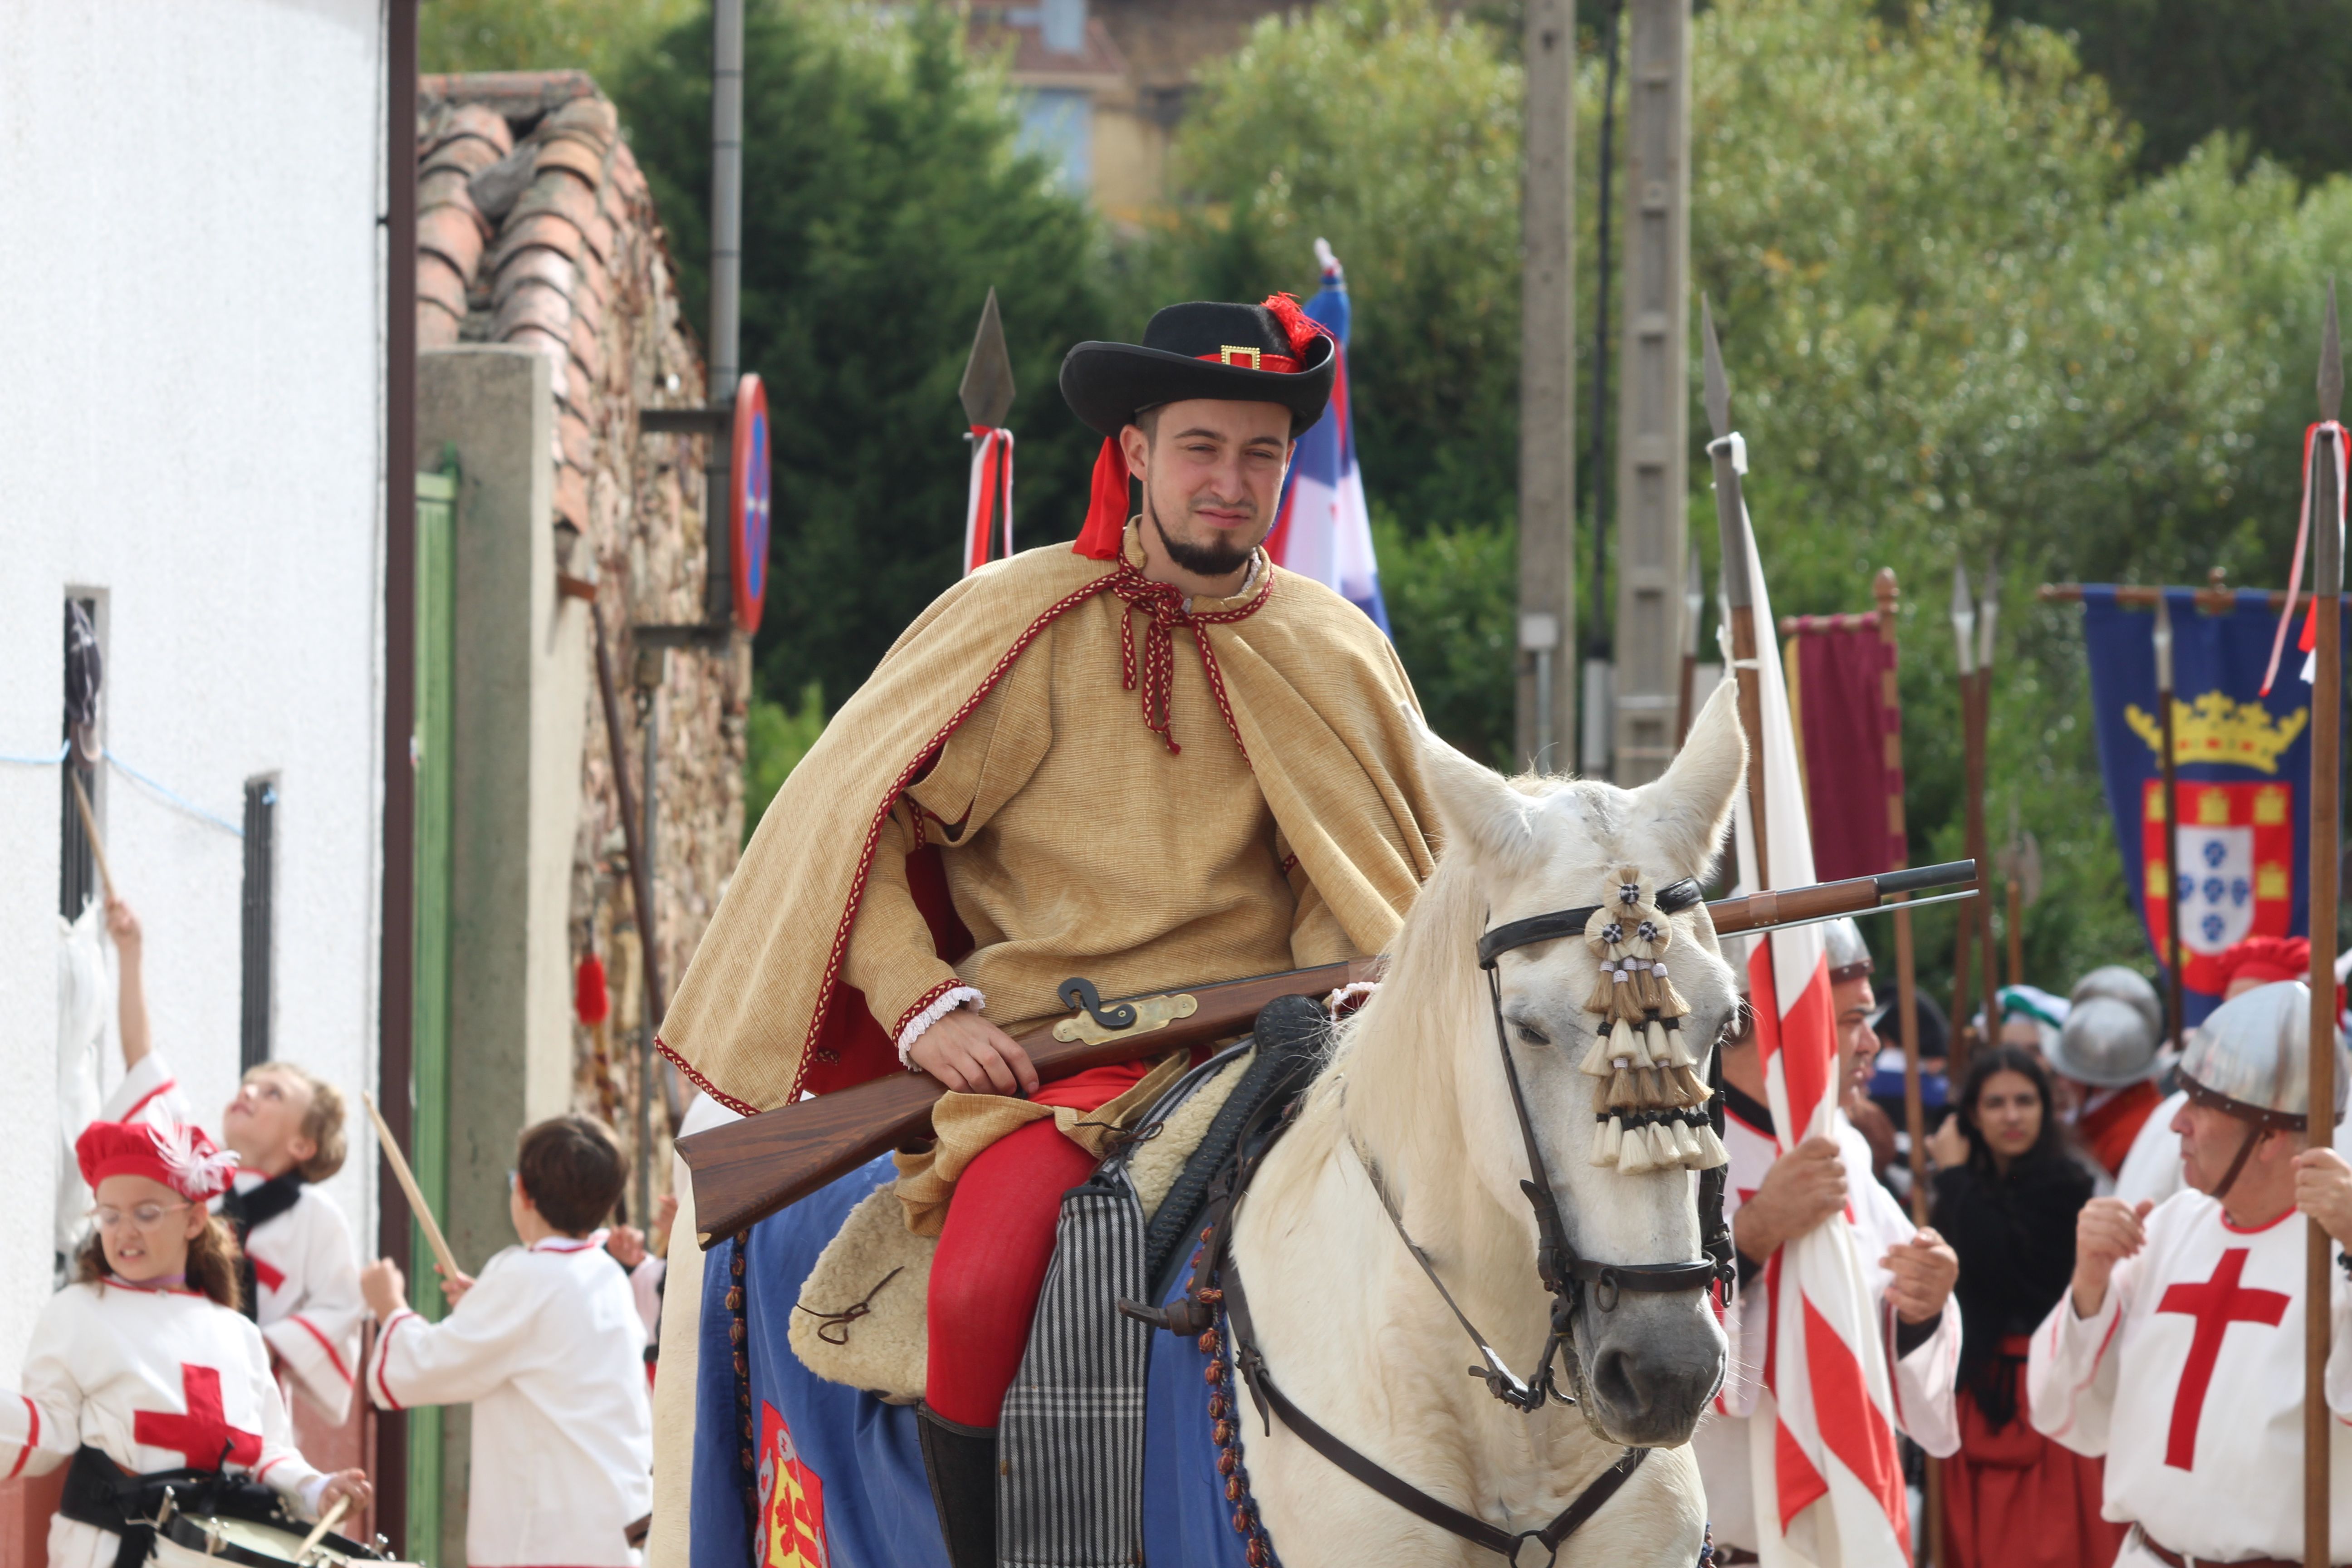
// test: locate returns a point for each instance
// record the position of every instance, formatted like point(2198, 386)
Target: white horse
point(1352, 1330)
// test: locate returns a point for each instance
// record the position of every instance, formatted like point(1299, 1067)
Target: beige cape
point(1317, 697)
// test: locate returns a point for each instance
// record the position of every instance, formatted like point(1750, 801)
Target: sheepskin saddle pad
point(860, 1319)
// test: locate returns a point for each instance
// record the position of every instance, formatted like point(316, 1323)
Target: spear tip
point(1719, 389)
point(986, 392)
point(2331, 362)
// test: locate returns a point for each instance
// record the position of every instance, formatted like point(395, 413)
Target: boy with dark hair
point(299, 1270)
point(547, 1346)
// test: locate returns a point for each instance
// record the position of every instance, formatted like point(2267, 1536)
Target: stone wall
point(537, 229)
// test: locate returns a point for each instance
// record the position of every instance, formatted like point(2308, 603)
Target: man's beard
point(1213, 560)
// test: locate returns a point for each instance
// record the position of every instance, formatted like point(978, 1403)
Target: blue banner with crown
point(2244, 766)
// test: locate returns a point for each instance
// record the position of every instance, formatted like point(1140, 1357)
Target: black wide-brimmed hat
point(1235, 353)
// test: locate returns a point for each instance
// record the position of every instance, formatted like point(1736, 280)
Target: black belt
point(101, 1493)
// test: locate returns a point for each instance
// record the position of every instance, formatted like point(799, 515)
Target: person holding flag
point(1322, 528)
point(1843, 1332)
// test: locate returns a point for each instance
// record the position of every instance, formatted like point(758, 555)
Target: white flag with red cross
point(1830, 1482)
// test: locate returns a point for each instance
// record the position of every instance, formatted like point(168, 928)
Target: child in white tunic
point(2178, 1352)
point(286, 1127)
point(547, 1346)
point(144, 1365)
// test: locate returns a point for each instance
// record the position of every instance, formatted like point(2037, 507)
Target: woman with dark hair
point(2012, 1499)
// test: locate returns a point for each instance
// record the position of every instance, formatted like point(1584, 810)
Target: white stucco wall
point(190, 423)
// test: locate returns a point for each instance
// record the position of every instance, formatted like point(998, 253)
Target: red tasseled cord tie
point(1105, 523)
point(589, 997)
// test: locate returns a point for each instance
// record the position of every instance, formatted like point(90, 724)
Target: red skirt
point(2013, 1499)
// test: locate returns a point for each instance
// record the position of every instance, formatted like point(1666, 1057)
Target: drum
point(209, 1539)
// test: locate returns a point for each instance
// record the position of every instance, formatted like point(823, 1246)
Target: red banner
point(1849, 723)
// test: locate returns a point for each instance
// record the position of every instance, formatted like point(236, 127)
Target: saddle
point(860, 1319)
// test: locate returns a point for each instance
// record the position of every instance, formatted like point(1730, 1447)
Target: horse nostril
point(1613, 1380)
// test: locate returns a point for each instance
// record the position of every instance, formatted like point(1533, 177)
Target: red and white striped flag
point(1829, 1481)
point(987, 506)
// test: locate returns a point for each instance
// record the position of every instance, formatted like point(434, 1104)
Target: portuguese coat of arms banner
point(2244, 766)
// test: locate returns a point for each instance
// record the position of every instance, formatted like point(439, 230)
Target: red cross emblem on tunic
point(2214, 1306)
point(202, 1435)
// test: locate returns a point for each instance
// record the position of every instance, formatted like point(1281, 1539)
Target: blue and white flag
point(1322, 529)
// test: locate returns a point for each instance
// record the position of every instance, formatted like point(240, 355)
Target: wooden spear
point(2169, 765)
point(1906, 993)
point(1964, 630)
point(1738, 591)
point(2327, 807)
point(1979, 747)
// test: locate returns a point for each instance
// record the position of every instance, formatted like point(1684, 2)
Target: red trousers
point(996, 1244)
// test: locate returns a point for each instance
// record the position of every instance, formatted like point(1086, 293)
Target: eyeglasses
point(146, 1217)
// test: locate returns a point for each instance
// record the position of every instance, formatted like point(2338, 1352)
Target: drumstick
point(89, 826)
point(407, 1178)
point(327, 1522)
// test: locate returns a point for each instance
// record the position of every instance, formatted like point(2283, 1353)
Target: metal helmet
point(1849, 954)
point(2105, 1042)
point(2252, 1057)
point(2126, 986)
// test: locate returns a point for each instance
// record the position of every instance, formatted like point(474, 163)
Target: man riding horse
point(1041, 781)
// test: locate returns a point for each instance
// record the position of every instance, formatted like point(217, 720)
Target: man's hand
point(627, 1246)
point(2322, 1191)
point(384, 1288)
point(967, 1053)
point(1925, 1268)
point(453, 1286)
point(122, 925)
point(1804, 1187)
point(351, 1484)
point(1947, 1145)
point(2107, 1231)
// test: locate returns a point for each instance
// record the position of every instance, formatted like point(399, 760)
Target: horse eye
point(1532, 1036)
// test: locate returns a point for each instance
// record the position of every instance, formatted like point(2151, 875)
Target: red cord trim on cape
point(923, 1003)
point(1165, 607)
point(740, 1107)
point(1052, 613)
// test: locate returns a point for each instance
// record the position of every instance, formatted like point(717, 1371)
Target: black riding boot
point(961, 1464)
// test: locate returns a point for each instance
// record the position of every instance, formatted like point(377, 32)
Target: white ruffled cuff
point(947, 1003)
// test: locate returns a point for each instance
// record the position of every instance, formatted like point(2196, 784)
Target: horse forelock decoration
point(1419, 1132)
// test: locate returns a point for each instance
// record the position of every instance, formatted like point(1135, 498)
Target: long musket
point(2326, 809)
point(745, 1171)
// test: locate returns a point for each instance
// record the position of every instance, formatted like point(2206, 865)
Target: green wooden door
point(437, 612)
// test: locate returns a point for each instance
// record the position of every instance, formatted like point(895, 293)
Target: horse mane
point(1393, 1062)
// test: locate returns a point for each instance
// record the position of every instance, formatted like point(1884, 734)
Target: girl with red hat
point(141, 1374)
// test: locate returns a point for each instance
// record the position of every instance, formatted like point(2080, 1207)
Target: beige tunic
point(1076, 844)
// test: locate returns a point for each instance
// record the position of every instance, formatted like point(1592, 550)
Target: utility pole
point(1654, 391)
point(1546, 694)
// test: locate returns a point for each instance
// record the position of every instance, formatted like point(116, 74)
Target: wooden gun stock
point(745, 1171)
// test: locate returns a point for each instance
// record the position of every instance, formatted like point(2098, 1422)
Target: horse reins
point(1565, 1274)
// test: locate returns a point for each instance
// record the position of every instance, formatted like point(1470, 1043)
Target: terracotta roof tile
point(514, 95)
point(572, 495)
point(526, 229)
point(455, 236)
point(575, 155)
point(593, 117)
point(538, 266)
point(572, 439)
point(587, 351)
point(534, 305)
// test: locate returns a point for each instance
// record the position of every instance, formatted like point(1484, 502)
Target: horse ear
point(1689, 806)
point(1476, 807)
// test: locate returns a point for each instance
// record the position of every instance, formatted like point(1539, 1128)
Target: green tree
point(2277, 72)
point(594, 35)
point(885, 196)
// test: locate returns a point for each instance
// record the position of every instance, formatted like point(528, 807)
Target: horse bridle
point(1564, 1272)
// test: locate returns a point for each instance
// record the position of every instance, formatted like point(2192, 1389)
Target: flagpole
point(1964, 627)
point(2326, 718)
point(1979, 838)
point(1738, 589)
point(2172, 798)
point(1907, 996)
